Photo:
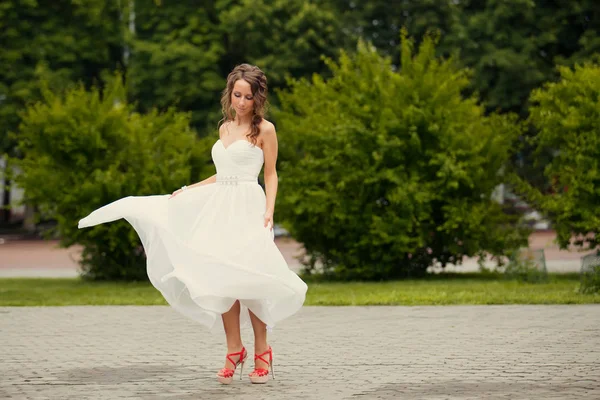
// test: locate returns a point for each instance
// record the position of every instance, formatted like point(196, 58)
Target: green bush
point(384, 173)
point(566, 117)
point(85, 149)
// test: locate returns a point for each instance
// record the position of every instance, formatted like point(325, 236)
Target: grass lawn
point(436, 290)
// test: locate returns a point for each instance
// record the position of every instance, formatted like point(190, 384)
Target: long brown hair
point(258, 84)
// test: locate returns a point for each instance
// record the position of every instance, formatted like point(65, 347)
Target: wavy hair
point(258, 84)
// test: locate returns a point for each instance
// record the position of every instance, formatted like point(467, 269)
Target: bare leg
point(231, 323)
point(260, 339)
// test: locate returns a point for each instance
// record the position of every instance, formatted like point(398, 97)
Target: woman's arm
point(211, 179)
point(271, 181)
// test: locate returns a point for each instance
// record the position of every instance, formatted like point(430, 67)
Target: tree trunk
point(5, 210)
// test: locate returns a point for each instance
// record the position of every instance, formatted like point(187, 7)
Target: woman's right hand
point(175, 193)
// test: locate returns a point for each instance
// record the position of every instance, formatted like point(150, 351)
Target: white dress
point(207, 247)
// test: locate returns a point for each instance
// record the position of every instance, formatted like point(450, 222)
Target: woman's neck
point(240, 121)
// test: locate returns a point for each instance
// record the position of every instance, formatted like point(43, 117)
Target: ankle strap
point(239, 353)
point(259, 356)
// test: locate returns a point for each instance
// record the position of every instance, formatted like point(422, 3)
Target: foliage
point(511, 45)
point(179, 53)
point(86, 149)
point(385, 173)
point(182, 52)
point(566, 115)
point(176, 53)
point(59, 40)
point(284, 37)
point(378, 23)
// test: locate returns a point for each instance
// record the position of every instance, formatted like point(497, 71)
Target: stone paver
point(450, 352)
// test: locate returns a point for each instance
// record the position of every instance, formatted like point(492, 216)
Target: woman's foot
point(263, 362)
point(232, 360)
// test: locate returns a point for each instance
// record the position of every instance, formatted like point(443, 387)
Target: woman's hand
point(175, 193)
point(269, 219)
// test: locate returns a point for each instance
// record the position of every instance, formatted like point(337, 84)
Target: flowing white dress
point(207, 247)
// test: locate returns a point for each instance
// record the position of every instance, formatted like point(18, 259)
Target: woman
point(209, 246)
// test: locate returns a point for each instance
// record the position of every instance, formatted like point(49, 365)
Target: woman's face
point(242, 99)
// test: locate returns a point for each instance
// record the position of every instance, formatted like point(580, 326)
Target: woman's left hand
point(269, 219)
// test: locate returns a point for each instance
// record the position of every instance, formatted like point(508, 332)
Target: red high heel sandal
point(225, 376)
point(261, 375)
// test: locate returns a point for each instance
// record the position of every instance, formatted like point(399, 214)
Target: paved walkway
point(36, 258)
point(462, 352)
point(45, 259)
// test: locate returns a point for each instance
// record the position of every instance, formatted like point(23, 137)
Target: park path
point(409, 353)
point(36, 258)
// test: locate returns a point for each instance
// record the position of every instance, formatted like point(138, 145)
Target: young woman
point(209, 246)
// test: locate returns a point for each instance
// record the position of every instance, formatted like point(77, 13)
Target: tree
point(183, 52)
point(62, 41)
point(284, 37)
point(565, 114)
point(385, 173)
point(513, 45)
point(176, 51)
point(378, 22)
point(85, 149)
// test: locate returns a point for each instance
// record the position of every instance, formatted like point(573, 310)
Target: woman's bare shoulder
point(267, 130)
point(266, 127)
point(223, 129)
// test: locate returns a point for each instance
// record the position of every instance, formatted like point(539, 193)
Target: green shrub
point(85, 149)
point(384, 173)
point(566, 117)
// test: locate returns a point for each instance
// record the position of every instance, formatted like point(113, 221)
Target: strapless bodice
point(241, 159)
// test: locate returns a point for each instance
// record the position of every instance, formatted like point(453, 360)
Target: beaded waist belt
point(235, 179)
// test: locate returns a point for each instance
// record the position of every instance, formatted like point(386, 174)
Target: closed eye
point(239, 95)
